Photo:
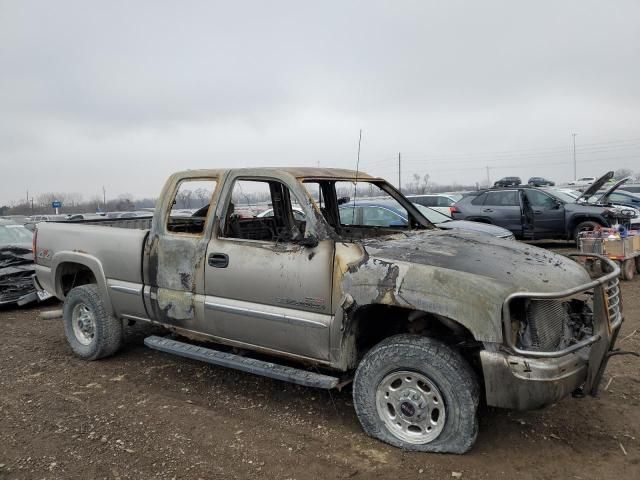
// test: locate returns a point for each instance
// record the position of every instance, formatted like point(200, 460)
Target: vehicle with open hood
point(425, 323)
point(539, 213)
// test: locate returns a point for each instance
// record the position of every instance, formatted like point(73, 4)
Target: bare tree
point(183, 198)
point(621, 173)
point(203, 195)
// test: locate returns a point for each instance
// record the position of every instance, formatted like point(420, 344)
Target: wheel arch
point(72, 269)
point(577, 219)
point(372, 323)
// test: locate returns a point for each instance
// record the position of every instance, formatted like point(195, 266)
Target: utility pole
point(27, 197)
point(399, 175)
point(488, 178)
point(104, 199)
point(575, 170)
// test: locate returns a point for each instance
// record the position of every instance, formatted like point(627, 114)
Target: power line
point(603, 147)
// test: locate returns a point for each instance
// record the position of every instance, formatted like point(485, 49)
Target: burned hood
point(514, 265)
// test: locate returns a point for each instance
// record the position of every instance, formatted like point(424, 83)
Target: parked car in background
point(632, 188)
point(438, 201)
point(540, 182)
point(16, 262)
point(14, 234)
point(74, 217)
point(614, 193)
point(634, 217)
point(298, 213)
point(619, 197)
point(381, 213)
point(135, 214)
point(583, 181)
point(533, 213)
point(508, 182)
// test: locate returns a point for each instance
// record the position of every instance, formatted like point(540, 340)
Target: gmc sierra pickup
point(424, 322)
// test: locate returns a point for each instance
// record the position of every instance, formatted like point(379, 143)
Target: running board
point(244, 364)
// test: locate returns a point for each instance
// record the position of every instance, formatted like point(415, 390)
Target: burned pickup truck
point(424, 322)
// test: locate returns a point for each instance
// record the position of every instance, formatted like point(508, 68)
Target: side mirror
point(310, 241)
point(557, 205)
point(343, 200)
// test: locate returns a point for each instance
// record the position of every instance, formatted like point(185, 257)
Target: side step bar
point(249, 365)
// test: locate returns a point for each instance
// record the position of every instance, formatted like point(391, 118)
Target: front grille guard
point(612, 302)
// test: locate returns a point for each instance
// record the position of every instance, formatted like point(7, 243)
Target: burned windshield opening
point(365, 208)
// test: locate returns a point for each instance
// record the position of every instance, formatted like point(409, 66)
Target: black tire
point(103, 337)
point(443, 367)
point(637, 264)
point(628, 269)
point(585, 226)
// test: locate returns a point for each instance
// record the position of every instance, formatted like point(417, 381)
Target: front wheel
point(418, 394)
point(91, 332)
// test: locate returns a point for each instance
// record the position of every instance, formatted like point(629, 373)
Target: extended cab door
point(175, 251)
point(263, 288)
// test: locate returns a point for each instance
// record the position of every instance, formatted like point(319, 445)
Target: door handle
point(218, 260)
point(487, 210)
point(537, 212)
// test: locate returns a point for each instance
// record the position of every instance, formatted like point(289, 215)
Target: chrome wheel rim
point(84, 324)
point(411, 407)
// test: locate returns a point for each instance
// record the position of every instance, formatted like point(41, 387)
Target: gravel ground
point(145, 414)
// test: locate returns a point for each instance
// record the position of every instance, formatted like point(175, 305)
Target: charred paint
point(464, 278)
point(174, 304)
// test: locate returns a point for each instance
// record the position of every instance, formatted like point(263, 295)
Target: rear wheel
point(91, 332)
point(587, 226)
point(628, 269)
point(418, 394)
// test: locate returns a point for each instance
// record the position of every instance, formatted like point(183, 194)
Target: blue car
point(387, 213)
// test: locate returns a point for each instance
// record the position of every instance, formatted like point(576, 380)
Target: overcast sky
point(121, 94)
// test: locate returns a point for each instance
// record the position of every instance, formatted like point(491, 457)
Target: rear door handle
point(487, 210)
point(218, 260)
point(537, 212)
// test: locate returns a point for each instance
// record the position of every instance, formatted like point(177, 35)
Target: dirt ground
point(144, 414)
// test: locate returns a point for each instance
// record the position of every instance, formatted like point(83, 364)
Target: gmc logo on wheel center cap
point(407, 409)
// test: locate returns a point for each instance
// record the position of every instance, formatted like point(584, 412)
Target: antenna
point(355, 193)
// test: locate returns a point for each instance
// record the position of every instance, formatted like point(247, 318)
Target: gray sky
point(123, 93)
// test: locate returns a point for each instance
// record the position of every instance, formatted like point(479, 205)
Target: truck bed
point(138, 223)
point(119, 250)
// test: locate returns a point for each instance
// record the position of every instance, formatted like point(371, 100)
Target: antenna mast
point(355, 193)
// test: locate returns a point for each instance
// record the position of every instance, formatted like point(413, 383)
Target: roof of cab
point(298, 172)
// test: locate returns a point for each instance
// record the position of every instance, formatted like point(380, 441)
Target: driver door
point(262, 288)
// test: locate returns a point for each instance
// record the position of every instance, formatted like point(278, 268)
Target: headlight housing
point(549, 325)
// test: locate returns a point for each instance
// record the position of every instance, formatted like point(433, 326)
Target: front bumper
point(524, 380)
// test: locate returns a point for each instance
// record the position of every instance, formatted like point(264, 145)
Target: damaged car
point(425, 323)
point(16, 262)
